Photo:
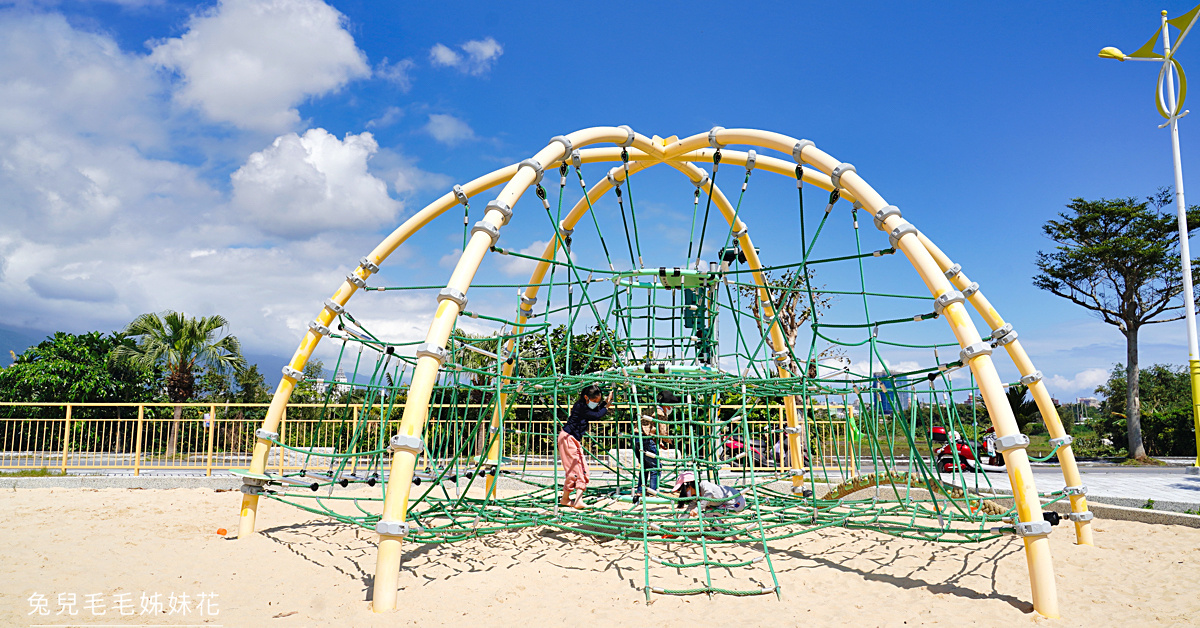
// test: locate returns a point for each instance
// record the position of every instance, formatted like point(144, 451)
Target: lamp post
point(1169, 107)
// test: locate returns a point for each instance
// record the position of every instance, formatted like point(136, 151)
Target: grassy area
point(32, 473)
point(1145, 461)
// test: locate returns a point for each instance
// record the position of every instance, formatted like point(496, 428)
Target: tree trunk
point(1133, 404)
point(173, 435)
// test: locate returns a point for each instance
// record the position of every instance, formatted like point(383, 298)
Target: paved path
point(1122, 486)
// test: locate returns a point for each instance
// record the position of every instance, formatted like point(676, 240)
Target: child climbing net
point(793, 422)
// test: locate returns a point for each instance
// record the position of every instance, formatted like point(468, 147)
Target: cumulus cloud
point(447, 129)
point(521, 267)
point(249, 63)
point(302, 185)
point(477, 56)
point(396, 73)
point(1084, 381)
point(389, 117)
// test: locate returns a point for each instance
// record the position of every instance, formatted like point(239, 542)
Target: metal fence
point(196, 437)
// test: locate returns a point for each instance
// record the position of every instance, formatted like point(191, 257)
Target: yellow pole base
point(1195, 372)
point(387, 574)
point(249, 510)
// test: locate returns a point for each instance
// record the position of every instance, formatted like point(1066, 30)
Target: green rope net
point(864, 433)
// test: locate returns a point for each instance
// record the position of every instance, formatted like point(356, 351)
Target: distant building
point(1056, 402)
point(342, 387)
point(890, 394)
point(1088, 402)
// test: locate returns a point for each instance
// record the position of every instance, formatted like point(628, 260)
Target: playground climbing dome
point(783, 387)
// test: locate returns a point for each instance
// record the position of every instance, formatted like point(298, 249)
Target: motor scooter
point(972, 455)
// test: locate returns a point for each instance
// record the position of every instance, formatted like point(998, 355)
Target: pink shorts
point(575, 469)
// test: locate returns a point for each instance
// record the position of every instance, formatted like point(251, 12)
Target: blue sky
point(215, 158)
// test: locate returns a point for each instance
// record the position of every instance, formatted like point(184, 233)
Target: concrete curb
point(1141, 515)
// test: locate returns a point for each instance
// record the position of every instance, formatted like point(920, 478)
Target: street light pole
point(1189, 303)
point(1169, 108)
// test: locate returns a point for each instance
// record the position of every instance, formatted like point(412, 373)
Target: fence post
point(282, 426)
point(137, 447)
point(66, 448)
point(212, 423)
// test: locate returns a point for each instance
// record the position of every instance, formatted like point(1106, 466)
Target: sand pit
point(306, 571)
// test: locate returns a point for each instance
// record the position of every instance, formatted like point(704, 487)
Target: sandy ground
point(304, 571)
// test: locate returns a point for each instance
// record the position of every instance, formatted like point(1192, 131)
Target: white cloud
point(522, 267)
point(447, 129)
point(389, 117)
point(477, 56)
point(396, 73)
point(410, 179)
point(250, 63)
point(1084, 381)
point(300, 186)
point(100, 224)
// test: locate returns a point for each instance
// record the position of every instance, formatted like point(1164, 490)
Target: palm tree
point(180, 345)
point(1024, 408)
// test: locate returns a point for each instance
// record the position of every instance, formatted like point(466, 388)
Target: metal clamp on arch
point(251, 489)
point(1032, 528)
point(780, 356)
point(332, 306)
point(974, 351)
point(970, 290)
point(492, 230)
point(504, 210)
point(611, 175)
point(629, 135)
point(1080, 516)
point(884, 214)
point(1075, 490)
point(568, 147)
point(1031, 378)
point(537, 168)
point(292, 373)
point(798, 150)
point(1005, 444)
point(564, 232)
point(404, 442)
point(450, 294)
point(356, 280)
point(264, 435)
point(737, 235)
point(703, 182)
point(712, 137)
point(530, 301)
point(368, 265)
point(836, 175)
point(392, 528)
point(1003, 336)
point(1055, 443)
point(460, 194)
point(318, 328)
point(899, 232)
point(953, 271)
point(944, 301)
point(427, 350)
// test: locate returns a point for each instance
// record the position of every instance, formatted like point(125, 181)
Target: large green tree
point(1166, 406)
point(78, 368)
point(181, 345)
point(1119, 258)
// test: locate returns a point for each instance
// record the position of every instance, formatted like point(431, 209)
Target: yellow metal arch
point(931, 264)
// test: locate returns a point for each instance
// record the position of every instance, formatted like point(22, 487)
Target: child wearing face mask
point(591, 406)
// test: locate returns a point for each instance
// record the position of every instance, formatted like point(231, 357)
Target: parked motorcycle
point(972, 455)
